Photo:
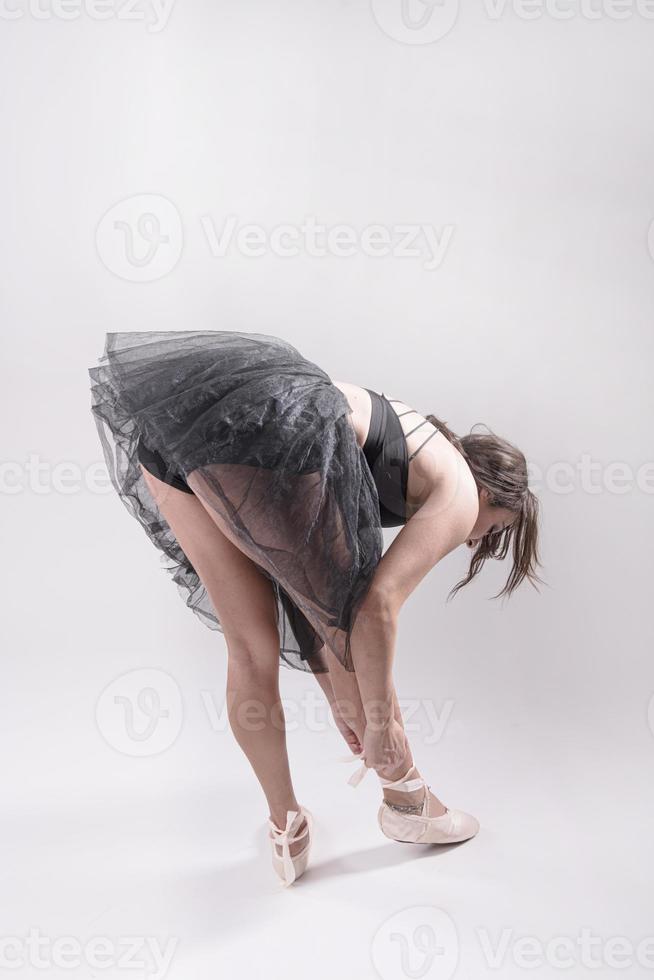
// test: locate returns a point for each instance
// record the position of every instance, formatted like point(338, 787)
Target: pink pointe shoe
point(289, 867)
point(412, 824)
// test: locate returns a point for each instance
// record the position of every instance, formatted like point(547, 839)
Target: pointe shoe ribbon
point(357, 776)
point(281, 837)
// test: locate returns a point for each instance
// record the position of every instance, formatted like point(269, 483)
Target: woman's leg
point(245, 647)
point(244, 602)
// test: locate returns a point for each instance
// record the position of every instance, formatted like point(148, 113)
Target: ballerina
point(266, 485)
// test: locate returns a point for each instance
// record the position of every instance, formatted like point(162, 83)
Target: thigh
point(272, 529)
point(241, 595)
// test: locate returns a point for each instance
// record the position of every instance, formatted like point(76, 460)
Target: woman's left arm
point(429, 535)
point(443, 522)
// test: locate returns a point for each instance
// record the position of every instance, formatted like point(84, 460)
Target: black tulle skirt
point(276, 456)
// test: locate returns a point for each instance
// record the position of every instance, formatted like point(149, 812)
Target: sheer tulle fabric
point(272, 450)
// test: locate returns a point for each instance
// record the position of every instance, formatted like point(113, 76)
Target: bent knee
point(255, 651)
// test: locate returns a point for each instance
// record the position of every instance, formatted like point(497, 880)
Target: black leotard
point(156, 464)
point(386, 453)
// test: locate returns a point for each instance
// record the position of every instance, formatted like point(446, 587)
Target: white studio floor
point(162, 859)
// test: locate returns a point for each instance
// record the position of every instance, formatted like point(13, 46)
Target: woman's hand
point(348, 711)
point(348, 733)
point(385, 747)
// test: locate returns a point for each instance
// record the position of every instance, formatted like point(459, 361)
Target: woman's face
point(489, 519)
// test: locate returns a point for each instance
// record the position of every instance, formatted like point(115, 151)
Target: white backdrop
point(450, 205)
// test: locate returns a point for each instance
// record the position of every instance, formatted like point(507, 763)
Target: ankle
point(278, 816)
point(406, 768)
point(401, 798)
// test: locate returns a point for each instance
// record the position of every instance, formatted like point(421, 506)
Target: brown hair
point(501, 468)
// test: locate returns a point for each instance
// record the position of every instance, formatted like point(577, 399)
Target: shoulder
point(452, 494)
point(360, 407)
